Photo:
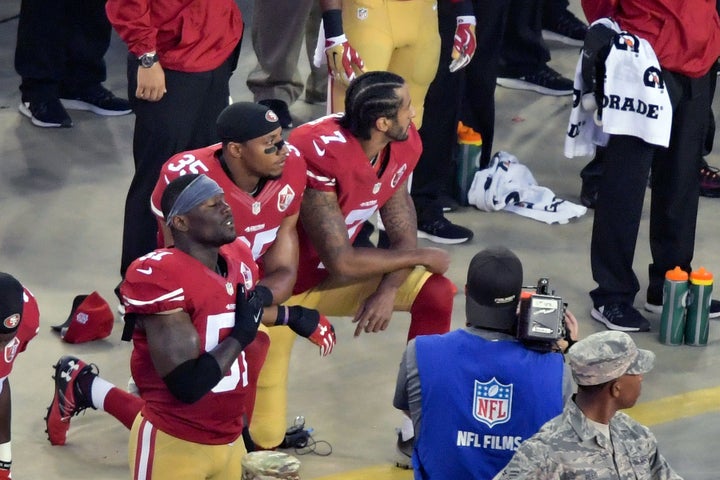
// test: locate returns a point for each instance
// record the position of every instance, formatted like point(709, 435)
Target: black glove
point(596, 48)
point(260, 297)
point(247, 317)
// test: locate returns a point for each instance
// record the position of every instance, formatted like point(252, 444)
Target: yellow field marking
point(655, 412)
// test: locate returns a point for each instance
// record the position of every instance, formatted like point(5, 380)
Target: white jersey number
point(212, 336)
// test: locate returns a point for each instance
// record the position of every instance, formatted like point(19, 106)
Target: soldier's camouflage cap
point(605, 356)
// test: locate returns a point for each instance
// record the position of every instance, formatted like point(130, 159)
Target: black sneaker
point(620, 316)
point(565, 28)
point(545, 81)
point(96, 99)
point(404, 452)
point(709, 181)
point(281, 110)
point(444, 231)
point(46, 113)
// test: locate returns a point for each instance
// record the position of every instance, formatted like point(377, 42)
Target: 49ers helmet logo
point(12, 321)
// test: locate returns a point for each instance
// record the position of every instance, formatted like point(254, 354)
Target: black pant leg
point(183, 120)
point(618, 210)
point(40, 48)
point(88, 41)
point(523, 49)
point(676, 184)
point(438, 131)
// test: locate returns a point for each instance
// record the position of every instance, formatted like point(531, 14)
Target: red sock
point(432, 309)
point(123, 405)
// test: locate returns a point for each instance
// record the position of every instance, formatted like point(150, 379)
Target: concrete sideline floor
point(62, 194)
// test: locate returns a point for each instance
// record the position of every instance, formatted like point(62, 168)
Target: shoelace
point(709, 172)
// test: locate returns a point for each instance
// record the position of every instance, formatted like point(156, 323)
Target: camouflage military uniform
point(568, 447)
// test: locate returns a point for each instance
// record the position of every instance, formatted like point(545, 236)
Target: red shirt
point(337, 163)
point(685, 34)
point(257, 219)
point(188, 35)
point(28, 329)
point(168, 279)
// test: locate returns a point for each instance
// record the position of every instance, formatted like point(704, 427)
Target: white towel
point(636, 100)
point(508, 185)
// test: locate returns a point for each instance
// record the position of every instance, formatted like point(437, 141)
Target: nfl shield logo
point(492, 402)
point(256, 208)
point(362, 13)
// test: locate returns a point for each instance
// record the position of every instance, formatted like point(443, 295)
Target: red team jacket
point(168, 279)
point(188, 35)
point(28, 329)
point(337, 163)
point(257, 219)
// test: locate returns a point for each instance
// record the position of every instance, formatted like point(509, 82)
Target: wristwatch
point(147, 60)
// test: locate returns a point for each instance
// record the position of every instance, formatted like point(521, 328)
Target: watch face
point(148, 61)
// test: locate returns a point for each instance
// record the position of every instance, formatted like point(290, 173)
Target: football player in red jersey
point(263, 179)
point(358, 163)
point(193, 322)
point(19, 323)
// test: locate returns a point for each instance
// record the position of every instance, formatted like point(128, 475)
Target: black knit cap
point(11, 303)
point(244, 121)
point(493, 288)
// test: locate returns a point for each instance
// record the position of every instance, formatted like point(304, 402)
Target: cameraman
point(475, 394)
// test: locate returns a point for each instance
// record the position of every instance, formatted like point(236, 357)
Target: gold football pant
point(269, 423)
point(399, 36)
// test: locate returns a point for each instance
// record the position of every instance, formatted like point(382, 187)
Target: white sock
point(406, 428)
point(98, 391)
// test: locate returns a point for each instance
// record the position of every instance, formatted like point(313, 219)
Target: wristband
point(283, 315)
point(332, 23)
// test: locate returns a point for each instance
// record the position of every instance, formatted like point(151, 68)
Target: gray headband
point(197, 191)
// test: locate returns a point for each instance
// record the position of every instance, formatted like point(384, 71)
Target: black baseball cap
point(243, 121)
point(494, 282)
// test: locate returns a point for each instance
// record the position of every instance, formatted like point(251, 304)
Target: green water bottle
point(697, 325)
point(468, 161)
point(672, 319)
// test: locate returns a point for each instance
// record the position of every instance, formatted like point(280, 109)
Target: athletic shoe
point(46, 113)
point(545, 81)
point(97, 99)
point(444, 231)
point(709, 181)
point(404, 450)
point(713, 311)
point(620, 316)
point(281, 110)
point(69, 399)
point(565, 28)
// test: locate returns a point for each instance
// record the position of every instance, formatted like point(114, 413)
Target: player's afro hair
point(371, 96)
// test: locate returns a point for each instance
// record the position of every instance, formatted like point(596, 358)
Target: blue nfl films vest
point(480, 400)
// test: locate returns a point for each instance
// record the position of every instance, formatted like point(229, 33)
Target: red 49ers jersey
point(257, 219)
point(28, 329)
point(169, 279)
point(337, 163)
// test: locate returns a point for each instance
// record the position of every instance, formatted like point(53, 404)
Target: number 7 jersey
point(337, 163)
